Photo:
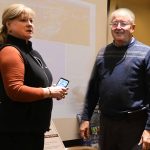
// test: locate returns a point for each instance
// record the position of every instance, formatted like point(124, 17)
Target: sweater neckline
point(132, 41)
point(27, 46)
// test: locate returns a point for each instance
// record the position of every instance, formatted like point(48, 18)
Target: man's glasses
point(122, 24)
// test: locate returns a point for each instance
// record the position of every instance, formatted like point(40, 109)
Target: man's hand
point(84, 129)
point(145, 140)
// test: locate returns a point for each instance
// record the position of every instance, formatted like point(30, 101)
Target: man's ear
point(132, 28)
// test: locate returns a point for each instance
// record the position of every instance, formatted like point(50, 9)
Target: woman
point(26, 89)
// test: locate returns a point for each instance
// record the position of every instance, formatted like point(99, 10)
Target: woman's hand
point(58, 92)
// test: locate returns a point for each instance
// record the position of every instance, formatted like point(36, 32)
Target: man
point(120, 82)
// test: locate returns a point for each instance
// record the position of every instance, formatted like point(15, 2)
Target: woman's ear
point(7, 24)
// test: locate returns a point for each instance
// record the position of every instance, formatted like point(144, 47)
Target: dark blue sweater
point(120, 80)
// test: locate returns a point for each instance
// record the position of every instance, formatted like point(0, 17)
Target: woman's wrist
point(47, 92)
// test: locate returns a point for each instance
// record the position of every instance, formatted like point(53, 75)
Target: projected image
point(65, 37)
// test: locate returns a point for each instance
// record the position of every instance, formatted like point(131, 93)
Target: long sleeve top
point(120, 81)
point(23, 74)
point(12, 70)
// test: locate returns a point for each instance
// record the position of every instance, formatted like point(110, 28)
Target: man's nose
point(118, 25)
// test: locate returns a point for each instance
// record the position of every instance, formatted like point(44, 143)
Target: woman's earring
point(9, 31)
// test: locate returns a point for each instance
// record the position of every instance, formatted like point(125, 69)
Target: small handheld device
point(62, 82)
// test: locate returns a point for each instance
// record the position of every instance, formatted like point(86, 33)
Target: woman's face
point(21, 27)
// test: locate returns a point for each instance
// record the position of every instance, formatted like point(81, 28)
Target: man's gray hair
point(124, 12)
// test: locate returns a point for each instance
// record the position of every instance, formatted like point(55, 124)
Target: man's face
point(122, 29)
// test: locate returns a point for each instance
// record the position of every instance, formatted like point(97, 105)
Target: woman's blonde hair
point(10, 13)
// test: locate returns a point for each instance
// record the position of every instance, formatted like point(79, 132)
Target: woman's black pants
point(21, 141)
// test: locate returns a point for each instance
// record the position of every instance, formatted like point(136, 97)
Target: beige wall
point(68, 128)
point(101, 22)
point(142, 13)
